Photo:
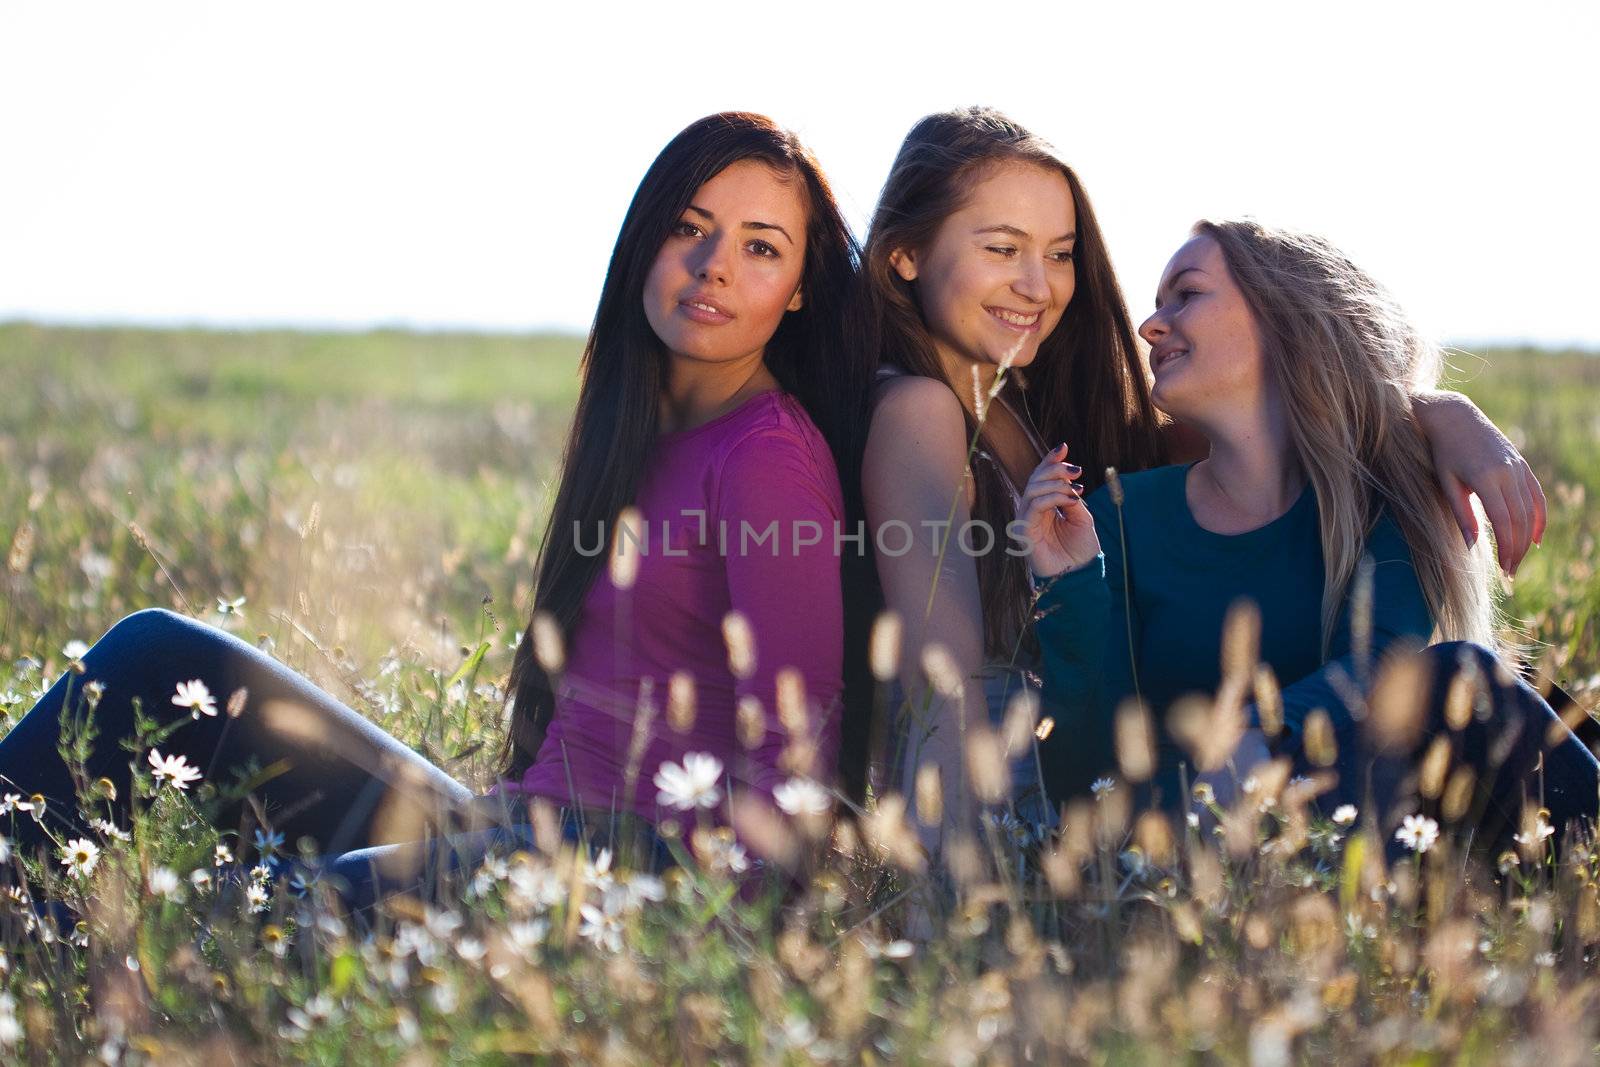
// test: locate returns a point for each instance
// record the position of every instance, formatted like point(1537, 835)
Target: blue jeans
point(1514, 743)
point(336, 773)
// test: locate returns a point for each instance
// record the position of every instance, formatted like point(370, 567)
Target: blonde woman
point(1298, 369)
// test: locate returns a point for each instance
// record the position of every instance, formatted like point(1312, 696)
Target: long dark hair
point(1087, 384)
point(812, 355)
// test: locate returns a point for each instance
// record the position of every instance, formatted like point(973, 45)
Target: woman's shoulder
point(912, 401)
point(775, 441)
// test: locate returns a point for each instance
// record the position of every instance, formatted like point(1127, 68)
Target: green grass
point(173, 468)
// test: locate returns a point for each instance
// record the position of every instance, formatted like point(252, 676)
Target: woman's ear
point(798, 301)
point(904, 262)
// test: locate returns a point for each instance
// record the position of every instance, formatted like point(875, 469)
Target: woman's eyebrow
point(1016, 231)
point(1170, 282)
point(709, 217)
point(769, 226)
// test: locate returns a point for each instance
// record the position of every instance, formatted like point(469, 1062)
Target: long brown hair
point(1346, 360)
point(1087, 385)
point(812, 355)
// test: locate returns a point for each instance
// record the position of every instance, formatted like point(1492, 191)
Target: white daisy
point(111, 829)
point(602, 928)
point(1418, 833)
point(75, 651)
point(1537, 835)
point(802, 796)
point(1344, 814)
point(79, 856)
point(1101, 786)
point(174, 770)
point(197, 698)
point(164, 882)
point(692, 785)
point(257, 896)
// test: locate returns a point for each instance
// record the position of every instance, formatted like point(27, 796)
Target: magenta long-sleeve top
point(707, 497)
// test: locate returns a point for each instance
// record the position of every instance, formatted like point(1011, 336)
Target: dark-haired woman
point(719, 395)
point(984, 253)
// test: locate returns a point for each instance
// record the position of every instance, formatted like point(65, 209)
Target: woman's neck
point(1251, 474)
point(697, 392)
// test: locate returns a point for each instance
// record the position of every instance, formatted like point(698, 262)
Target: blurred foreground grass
point(375, 500)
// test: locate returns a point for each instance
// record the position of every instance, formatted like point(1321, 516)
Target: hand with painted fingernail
point(1057, 529)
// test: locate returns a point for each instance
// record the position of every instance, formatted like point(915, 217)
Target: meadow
point(367, 507)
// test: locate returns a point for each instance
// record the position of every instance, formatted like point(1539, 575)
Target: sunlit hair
point(1086, 386)
point(812, 355)
point(1346, 361)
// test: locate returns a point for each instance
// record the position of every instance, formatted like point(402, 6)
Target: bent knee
point(150, 621)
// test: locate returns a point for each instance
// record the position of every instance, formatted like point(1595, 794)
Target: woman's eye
point(1002, 250)
point(1062, 257)
point(686, 229)
point(761, 248)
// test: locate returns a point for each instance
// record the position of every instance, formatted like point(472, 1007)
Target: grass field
point(375, 499)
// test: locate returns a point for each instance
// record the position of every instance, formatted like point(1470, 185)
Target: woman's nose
point(1154, 328)
point(1030, 282)
point(714, 263)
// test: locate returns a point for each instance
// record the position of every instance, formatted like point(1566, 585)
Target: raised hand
point(1057, 529)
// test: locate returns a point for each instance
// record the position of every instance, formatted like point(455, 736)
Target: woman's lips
point(704, 311)
point(1164, 358)
point(1017, 321)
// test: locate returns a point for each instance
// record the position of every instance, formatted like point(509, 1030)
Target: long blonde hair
point(1346, 361)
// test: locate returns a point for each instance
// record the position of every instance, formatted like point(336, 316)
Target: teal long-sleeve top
point(1172, 591)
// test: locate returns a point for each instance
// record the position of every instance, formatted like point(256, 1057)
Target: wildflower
point(175, 770)
point(1418, 833)
point(802, 796)
point(601, 928)
point(1536, 835)
point(597, 872)
point(261, 873)
point(224, 854)
point(721, 853)
point(197, 698)
point(1344, 814)
point(5, 849)
point(640, 888)
point(80, 856)
point(93, 691)
point(441, 924)
point(14, 802)
point(10, 1028)
point(230, 607)
point(1101, 786)
point(276, 940)
point(75, 651)
point(111, 829)
point(268, 843)
point(165, 883)
point(471, 949)
point(692, 785)
point(528, 936)
point(257, 897)
point(10, 698)
point(1204, 794)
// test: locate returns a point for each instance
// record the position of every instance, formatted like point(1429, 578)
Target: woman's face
point(999, 272)
point(1205, 346)
point(731, 267)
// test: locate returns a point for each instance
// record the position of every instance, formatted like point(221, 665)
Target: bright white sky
point(467, 163)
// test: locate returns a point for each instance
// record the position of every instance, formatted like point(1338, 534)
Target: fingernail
point(1074, 468)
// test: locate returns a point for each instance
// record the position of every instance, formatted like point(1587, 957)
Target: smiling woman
point(1002, 331)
